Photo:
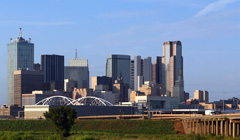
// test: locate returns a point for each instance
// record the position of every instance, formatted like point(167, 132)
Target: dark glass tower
point(53, 68)
point(118, 66)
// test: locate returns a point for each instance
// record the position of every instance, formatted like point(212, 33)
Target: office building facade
point(53, 68)
point(80, 62)
point(20, 55)
point(25, 82)
point(120, 89)
point(202, 96)
point(101, 82)
point(118, 66)
point(78, 74)
point(172, 61)
point(140, 69)
point(157, 73)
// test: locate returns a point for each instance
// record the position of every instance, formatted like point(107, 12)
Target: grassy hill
point(112, 126)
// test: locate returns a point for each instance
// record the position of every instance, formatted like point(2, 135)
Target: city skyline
point(208, 31)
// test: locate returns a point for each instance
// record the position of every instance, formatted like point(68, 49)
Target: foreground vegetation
point(108, 126)
point(97, 130)
point(86, 135)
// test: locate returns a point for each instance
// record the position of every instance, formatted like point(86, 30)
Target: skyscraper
point(77, 71)
point(20, 55)
point(53, 68)
point(147, 69)
point(79, 62)
point(140, 68)
point(26, 81)
point(78, 74)
point(172, 65)
point(157, 70)
point(118, 66)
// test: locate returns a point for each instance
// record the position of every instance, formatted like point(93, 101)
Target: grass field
point(96, 130)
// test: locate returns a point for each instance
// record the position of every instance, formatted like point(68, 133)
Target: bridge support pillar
point(193, 126)
point(230, 128)
point(216, 127)
point(237, 129)
point(208, 126)
point(204, 128)
point(226, 128)
point(212, 128)
point(221, 127)
point(201, 127)
point(234, 129)
point(190, 126)
point(196, 130)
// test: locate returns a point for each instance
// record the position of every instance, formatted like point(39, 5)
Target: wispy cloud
point(130, 13)
point(214, 7)
point(212, 26)
point(36, 23)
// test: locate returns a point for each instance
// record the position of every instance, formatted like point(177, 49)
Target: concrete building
point(172, 61)
point(202, 96)
point(205, 96)
point(36, 111)
point(20, 55)
point(53, 68)
point(77, 74)
point(140, 67)
point(78, 62)
point(157, 102)
point(103, 83)
point(137, 70)
point(26, 81)
point(151, 88)
point(133, 95)
point(140, 82)
point(82, 92)
point(118, 66)
point(12, 110)
point(69, 85)
point(120, 89)
point(106, 95)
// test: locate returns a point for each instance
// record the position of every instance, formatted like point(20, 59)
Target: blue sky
point(209, 31)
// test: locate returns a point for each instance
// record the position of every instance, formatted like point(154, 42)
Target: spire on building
point(75, 53)
point(20, 32)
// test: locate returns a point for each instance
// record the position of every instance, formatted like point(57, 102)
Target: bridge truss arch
point(56, 100)
point(94, 101)
point(62, 100)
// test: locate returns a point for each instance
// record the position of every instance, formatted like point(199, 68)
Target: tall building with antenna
point(79, 62)
point(20, 55)
point(77, 71)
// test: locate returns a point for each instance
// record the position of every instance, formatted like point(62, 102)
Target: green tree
point(63, 117)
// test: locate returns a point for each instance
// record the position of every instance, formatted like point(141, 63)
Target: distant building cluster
point(133, 82)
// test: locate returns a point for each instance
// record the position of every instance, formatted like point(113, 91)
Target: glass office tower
point(53, 68)
point(20, 55)
point(118, 65)
point(173, 65)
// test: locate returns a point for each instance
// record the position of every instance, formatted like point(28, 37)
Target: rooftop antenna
point(20, 32)
point(75, 53)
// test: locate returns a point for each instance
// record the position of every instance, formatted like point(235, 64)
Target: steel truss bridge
point(62, 100)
